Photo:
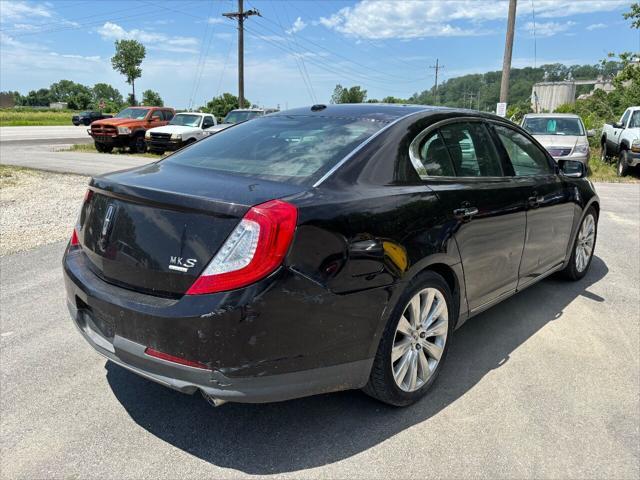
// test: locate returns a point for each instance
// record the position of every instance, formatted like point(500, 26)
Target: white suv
point(183, 129)
point(241, 115)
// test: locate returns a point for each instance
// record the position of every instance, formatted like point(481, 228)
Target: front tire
point(414, 343)
point(604, 155)
point(583, 247)
point(102, 148)
point(623, 165)
point(138, 145)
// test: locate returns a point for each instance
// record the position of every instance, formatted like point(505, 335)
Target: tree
point(103, 92)
point(634, 15)
point(151, 98)
point(40, 98)
point(354, 94)
point(127, 61)
point(221, 105)
point(76, 95)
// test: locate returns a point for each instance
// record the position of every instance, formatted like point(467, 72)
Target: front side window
point(635, 120)
point(157, 115)
point(208, 122)
point(624, 118)
point(294, 149)
point(527, 159)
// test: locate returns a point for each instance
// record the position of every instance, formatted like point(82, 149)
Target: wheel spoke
point(413, 371)
point(436, 313)
point(434, 351)
point(414, 311)
point(438, 328)
point(426, 306)
point(424, 364)
point(401, 371)
point(399, 349)
point(404, 326)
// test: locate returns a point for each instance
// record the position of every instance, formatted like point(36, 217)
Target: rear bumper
point(258, 347)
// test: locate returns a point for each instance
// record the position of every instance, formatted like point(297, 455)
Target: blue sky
point(298, 50)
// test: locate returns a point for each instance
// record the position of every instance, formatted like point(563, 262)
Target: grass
point(90, 148)
point(600, 171)
point(21, 118)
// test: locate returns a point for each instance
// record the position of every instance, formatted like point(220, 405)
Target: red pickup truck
point(128, 127)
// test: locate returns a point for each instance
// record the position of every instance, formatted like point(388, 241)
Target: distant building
point(58, 105)
point(7, 100)
point(547, 96)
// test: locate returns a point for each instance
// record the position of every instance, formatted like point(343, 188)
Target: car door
point(485, 208)
point(207, 122)
point(550, 210)
point(617, 132)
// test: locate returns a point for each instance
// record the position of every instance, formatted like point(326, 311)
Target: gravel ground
point(37, 208)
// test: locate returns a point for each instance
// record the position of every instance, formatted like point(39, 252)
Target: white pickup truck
point(183, 129)
point(622, 139)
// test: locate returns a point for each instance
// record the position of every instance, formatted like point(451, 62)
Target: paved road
point(48, 157)
point(545, 385)
point(56, 134)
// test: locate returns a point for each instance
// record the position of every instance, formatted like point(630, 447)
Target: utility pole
point(437, 68)
point(241, 15)
point(508, 49)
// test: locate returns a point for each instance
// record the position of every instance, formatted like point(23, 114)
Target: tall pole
point(437, 68)
point(241, 15)
point(508, 50)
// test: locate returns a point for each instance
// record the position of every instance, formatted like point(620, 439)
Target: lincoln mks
point(321, 249)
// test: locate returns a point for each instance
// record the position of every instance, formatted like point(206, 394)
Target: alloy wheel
point(419, 339)
point(586, 240)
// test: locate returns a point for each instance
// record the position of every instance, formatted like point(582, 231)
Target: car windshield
point(134, 113)
point(293, 149)
point(553, 126)
point(235, 117)
point(186, 120)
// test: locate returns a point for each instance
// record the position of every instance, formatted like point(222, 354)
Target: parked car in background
point(128, 127)
point(562, 134)
point(622, 139)
point(183, 129)
point(321, 249)
point(241, 115)
point(87, 118)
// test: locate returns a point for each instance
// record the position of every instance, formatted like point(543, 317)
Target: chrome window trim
point(414, 151)
point(368, 140)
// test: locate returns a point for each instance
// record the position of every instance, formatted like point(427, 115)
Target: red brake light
point(255, 248)
point(74, 239)
point(170, 358)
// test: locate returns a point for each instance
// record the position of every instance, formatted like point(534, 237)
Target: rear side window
point(527, 159)
point(295, 149)
point(457, 150)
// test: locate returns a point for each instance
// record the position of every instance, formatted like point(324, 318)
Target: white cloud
point(298, 25)
point(155, 41)
point(549, 29)
point(413, 19)
point(21, 10)
point(596, 26)
point(215, 20)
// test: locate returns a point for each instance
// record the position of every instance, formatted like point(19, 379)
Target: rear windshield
point(293, 149)
point(135, 113)
point(553, 126)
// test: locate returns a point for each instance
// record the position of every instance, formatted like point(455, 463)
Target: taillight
point(74, 236)
point(171, 358)
point(255, 248)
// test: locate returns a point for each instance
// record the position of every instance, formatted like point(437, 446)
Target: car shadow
point(315, 431)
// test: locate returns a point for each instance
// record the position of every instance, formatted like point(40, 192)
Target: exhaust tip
point(211, 400)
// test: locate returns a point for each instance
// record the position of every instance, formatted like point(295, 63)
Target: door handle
point(535, 200)
point(465, 213)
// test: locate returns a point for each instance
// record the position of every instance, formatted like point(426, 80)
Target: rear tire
point(405, 347)
point(623, 165)
point(583, 247)
point(102, 148)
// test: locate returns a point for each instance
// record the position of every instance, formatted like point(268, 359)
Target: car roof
point(379, 111)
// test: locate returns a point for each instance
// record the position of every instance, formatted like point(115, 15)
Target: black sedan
point(321, 249)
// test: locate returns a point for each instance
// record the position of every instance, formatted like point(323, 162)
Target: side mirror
point(617, 125)
point(572, 168)
point(591, 133)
